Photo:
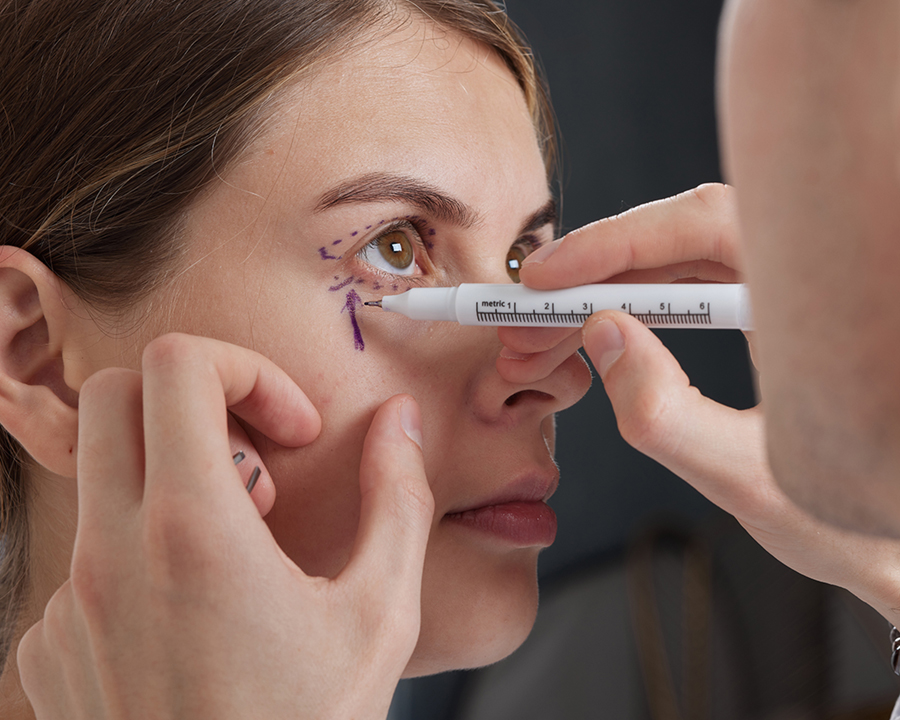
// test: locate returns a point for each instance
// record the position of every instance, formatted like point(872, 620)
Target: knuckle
point(713, 196)
point(178, 554)
point(415, 499)
point(105, 382)
point(651, 425)
point(89, 582)
point(391, 628)
point(56, 627)
point(28, 653)
point(169, 349)
point(718, 206)
point(34, 659)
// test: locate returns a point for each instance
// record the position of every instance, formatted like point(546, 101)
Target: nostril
point(518, 397)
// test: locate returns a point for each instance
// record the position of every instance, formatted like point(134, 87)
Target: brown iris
point(514, 259)
point(397, 249)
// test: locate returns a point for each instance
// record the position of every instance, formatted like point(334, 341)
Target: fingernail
point(238, 457)
point(604, 343)
point(254, 476)
point(411, 422)
point(543, 253)
point(513, 355)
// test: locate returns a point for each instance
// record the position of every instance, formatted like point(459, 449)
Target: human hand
point(180, 603)
point(690, 237)
point(718, 450)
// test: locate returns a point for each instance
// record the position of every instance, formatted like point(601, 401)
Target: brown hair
point(115, 114)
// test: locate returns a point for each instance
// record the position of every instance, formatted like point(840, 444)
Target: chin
point(476, 610)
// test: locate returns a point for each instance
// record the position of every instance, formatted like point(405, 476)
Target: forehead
point(416, 100)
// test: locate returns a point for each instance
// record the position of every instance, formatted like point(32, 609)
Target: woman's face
point(410, 162)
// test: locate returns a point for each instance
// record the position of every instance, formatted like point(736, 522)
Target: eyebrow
point(382, 187)
point(547, 215)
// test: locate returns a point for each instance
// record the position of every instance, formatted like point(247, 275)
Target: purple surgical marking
point(431, 232)
point(376, 286)
point(335, 288)
point(368, 227)
point(338, 242)
point(325, 256)
point(361, 280)
point(396, 287)
point(354, 233)
point(354, 301)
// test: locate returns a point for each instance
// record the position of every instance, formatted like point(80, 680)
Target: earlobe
point(36, 405)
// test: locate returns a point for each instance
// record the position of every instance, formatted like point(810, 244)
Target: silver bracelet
point(895, 650)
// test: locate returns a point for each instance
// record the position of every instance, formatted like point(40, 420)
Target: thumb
point(718, 450)
point(397, 504)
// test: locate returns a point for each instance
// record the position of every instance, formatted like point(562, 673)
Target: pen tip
point(373, 303)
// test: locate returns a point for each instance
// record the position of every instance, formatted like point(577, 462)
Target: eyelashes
point(400, 251)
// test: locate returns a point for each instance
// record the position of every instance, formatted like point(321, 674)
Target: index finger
point(697, 225)
point(189, 383)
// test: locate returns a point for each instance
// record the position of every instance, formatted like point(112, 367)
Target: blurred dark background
point(632, 83)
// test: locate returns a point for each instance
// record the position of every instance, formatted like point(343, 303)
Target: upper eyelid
point(534, 236)
point(389, 227)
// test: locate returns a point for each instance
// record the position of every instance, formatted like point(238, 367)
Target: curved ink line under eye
point(412, 235)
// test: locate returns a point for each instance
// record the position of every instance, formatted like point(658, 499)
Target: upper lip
point(532, 486)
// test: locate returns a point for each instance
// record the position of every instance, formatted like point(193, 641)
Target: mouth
point(518, 516)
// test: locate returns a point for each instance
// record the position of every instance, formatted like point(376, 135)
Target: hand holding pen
point(718, 450)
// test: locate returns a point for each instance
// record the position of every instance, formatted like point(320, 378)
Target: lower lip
point(524, 524)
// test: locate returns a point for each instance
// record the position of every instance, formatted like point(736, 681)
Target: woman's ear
point(37, 407)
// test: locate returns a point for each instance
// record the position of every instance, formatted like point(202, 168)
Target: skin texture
point(262, 266)
point(808, 102)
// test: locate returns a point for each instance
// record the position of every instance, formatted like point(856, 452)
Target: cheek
point(316, 511)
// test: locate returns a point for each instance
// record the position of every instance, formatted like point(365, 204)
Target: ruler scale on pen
point(689, 305)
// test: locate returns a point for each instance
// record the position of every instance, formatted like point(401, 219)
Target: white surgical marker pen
point(689, 305)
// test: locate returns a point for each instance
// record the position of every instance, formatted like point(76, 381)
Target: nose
point(496, 399)
point(508, 399)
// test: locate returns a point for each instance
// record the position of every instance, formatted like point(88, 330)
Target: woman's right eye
point(394, 253)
